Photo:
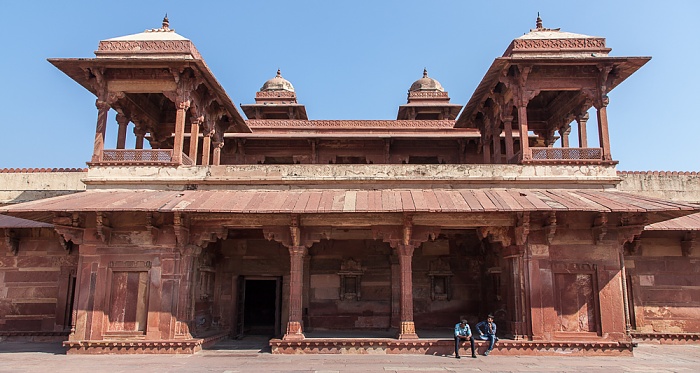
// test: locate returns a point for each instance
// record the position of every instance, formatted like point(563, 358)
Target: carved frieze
point(147, 46)
point(130, 264)
point(571, 43)
point(561, 267)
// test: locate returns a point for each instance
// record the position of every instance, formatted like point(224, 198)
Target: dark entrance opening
point(261, 307)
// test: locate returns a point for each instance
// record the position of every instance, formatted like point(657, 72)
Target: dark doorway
point(261, 306)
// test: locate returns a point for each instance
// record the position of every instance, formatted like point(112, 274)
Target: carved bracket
point(550, 226)
point(495, 234)
point(688, 243)
point(522, 228)
point(204, 235)
point(102, 228)
point(294, 235)
point(600, 227)
point(181, 229)
point(405, 235)
point(11, 241)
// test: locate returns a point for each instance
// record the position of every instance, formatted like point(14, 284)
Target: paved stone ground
point(250, 356)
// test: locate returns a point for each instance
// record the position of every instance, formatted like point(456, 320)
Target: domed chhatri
point(426, 83)
point(278, 83)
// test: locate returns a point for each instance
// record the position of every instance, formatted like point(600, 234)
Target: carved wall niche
point(350, 279)
point(576, 297)
point(207, 275)
point(440, 279)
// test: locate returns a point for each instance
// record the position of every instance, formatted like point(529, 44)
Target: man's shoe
point(474, 355)
point(458, 357)
point(487, 352)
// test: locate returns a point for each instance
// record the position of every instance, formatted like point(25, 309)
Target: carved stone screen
point(575, 302)
point(128, 301)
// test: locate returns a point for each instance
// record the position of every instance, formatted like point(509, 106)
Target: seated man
point(487, 332)
point(463, 333)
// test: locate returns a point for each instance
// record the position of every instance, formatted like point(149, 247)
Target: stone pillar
point(496, 148)
point(206, 149)
point(296, 278)
point(395, 321)
point(486, 148)
point(604, 141)
point(139, 133)
point(508, 128)
point(182, 108)
point(581, 120)
point(217, 153)
point(518, 290)
point(123, 122)
point(522, 124)
point(408, 328)
point(194, 137)
point(564, 134)
point(100, 130)
point(185, 306)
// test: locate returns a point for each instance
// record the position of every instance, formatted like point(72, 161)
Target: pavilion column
point(100, 130)
point(180, 116)
point(296, 278)
point(408, 328)
point(139, 133)
point(581, 120)
point(564, 134)
point(604, 138)
point(206, 149)
point(522, 124)
point(217, 153)
point(508, 128)
point(194, 137)
point(123, 122)
point(486, 148)
point(496, 147)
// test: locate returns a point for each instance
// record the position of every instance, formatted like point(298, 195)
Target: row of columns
point(208, 156)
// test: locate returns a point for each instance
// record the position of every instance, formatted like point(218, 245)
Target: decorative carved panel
point(350, 279)
point(440, 279)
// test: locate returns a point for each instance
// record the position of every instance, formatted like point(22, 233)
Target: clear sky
point(349, 60)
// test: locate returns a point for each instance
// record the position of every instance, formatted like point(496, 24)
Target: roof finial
point(279, 73)
point(166, 23)
point(538, 24)
point(425, 72)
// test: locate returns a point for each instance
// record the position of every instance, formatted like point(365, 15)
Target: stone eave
point(75, 69)
point(625, 66)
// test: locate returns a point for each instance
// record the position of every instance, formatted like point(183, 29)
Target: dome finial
point(166, 23)
point(425, 72)
point(279, 73)
point(538, 24)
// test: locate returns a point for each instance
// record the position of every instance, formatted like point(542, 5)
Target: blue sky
point(349, 60)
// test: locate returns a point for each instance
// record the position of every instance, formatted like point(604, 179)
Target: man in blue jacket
point(463, 333)
point(487, 332)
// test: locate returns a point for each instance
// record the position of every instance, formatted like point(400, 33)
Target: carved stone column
point(100, 130)
point(194, 137)
point(139, 133)
point(182, 107)
point(296, 278)
point(522, 124)
point(601, 106)
point(408, 328)
point(581, 120)
point(564, 134)
point(206, 148)
point(508, 128)
point(496, 147)
point(217, 153)
point(395, 292)
point(123, 122)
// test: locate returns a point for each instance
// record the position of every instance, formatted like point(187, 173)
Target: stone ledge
point(446, 347)
point(667, 338)
point(185, 346)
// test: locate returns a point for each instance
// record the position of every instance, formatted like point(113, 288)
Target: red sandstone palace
point(350, 235)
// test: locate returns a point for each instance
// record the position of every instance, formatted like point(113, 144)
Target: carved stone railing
point(130, 157)
point(576, 155)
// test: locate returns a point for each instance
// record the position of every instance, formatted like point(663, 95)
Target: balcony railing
point(128, 157)
point(566, 154)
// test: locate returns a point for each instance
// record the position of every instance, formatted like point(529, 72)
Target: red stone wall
point(664, 286)
point(35, 285)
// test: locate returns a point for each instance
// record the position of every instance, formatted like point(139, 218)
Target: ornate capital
point(11, 241)
point(495, 234)
point(522, 228)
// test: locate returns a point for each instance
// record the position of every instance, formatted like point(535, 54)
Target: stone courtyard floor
point(251, 356)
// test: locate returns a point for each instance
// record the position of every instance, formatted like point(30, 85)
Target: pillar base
point(408, 330)
point(294, 332)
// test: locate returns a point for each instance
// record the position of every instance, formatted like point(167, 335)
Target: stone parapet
point(429, 176)
point(676, 186)
point(23, 185)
